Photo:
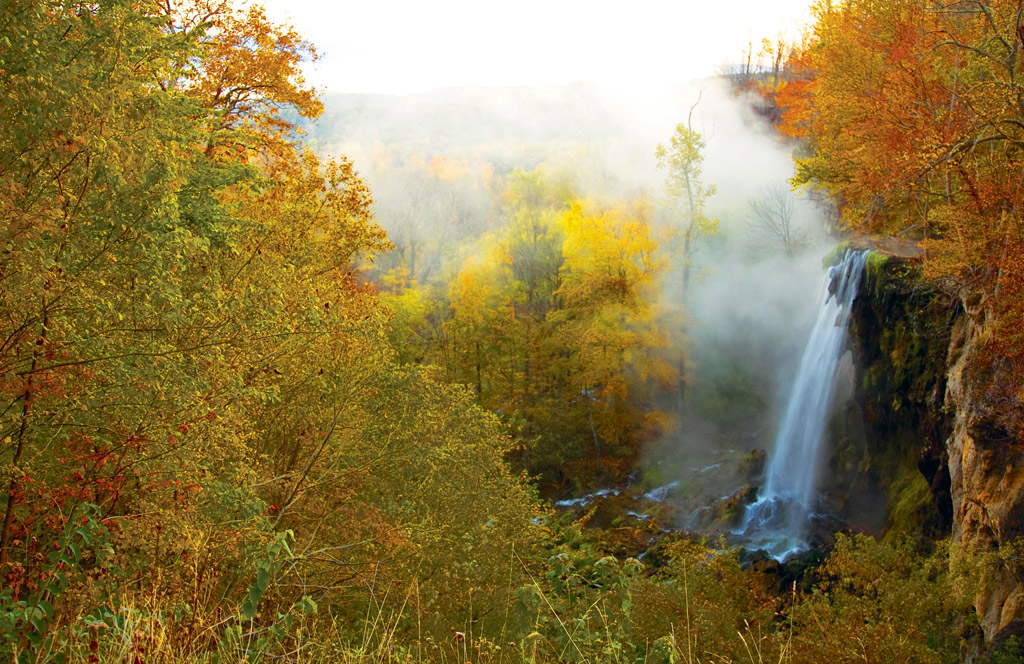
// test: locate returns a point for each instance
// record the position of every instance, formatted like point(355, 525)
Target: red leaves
point(134, 442)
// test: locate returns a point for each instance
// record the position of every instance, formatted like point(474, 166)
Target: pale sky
point(407, 46)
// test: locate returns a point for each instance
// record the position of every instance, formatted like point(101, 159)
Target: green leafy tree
point(683, 161)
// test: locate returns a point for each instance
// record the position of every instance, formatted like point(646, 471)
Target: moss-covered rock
point(900, 333)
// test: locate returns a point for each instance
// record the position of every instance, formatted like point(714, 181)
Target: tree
point(609, 326)
point(683, 160)
point(247, 76)
point(772, 219)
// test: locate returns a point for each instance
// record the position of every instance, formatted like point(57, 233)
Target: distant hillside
point(608, 137)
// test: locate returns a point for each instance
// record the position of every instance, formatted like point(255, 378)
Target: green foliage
point(683, 161)
point(579, 608)
point(702, 599)
point(266, 569)
point(883, 602)
point(25, 623)
point(1010, 651)
point(440, 475)
point(244, 639)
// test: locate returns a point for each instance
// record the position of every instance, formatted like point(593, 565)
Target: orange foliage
point(912, 123)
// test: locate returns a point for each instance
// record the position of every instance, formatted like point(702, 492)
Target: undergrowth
point(868, 601)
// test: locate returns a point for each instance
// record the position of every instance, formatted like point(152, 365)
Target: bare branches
point(772, 219)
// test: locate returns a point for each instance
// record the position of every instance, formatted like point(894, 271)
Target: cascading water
point(777, 521)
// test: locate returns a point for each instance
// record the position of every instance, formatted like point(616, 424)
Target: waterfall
point(777, 521)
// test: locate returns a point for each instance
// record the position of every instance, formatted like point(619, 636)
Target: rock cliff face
point(942, 424)
point(986, 467)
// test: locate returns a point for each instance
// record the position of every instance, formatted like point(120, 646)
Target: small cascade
point(777, 521)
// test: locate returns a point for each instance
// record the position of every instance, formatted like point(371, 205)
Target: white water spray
point(777, 521)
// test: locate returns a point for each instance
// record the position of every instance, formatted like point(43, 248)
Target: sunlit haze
point(402, 46)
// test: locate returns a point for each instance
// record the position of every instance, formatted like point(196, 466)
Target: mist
point(751, 297)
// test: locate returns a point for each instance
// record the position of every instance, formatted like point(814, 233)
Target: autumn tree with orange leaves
point(911, 111)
